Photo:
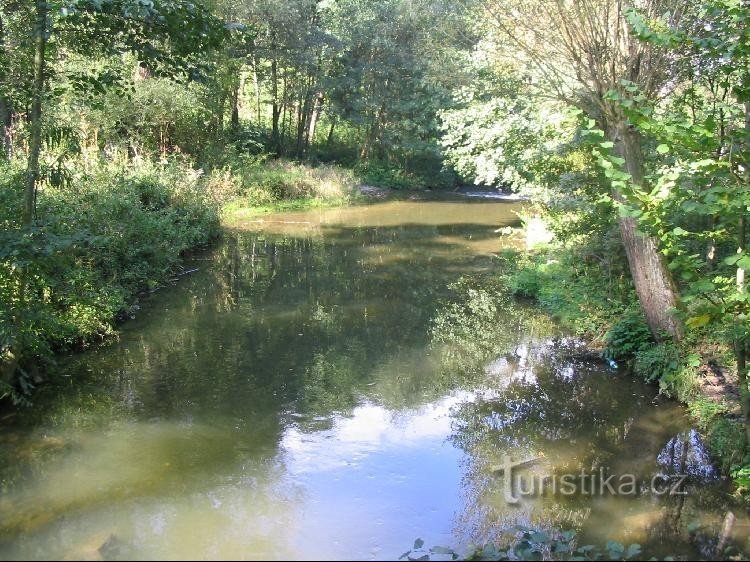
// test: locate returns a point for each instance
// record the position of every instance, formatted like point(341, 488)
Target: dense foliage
point(622, 154)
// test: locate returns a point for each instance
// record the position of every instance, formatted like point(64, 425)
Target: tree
point(703, 191)
point(583, 51)
point(165, 35)
point(35, 120)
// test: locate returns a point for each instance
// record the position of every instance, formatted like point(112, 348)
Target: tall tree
point(165, 36)
point(35, 120)
point(583, 52)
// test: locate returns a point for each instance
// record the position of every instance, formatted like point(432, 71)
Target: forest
point(139, 134)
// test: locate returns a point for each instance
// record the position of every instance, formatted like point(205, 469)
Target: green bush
point(654, 362)
point(627, 336)
point(257, 181)
point(705, 411)
point(382, 175)
point(726, 439)
point(580, 295)
point(526, 283)
point(114, 231)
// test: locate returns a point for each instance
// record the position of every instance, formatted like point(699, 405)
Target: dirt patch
point(718, 383)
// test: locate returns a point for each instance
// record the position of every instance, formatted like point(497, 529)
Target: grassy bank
point(116, 229)
point(100, 238)
point(257, 187)
point(591, 295)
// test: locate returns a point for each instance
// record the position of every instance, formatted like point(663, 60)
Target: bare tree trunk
point(235, 106)
point(35, 127)
point(711, 253)
point(314, 118)
point(6, 124)
point(302, 111)
point(329, 139)
point(653, 282)
point(275, 110)
point(256, 87)
point(741, 344)
point(286, 110)
point(6, 107)
point(372, 136)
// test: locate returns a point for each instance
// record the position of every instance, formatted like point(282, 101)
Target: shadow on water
point(327, 385)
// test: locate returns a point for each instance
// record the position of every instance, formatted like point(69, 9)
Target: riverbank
point(594, 300)
point(100, 239)
point(116, 231)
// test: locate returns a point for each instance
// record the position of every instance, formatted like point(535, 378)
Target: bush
point(628, 336)
point(382, 175)
point(258, 181)
point(526, 283)
point(705, 411)
point(114, 231)
point(580, 295)
point(654, 362)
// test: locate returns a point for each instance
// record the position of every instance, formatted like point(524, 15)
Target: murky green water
point(316, 390)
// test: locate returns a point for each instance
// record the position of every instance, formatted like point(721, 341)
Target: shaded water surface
point(326, 386)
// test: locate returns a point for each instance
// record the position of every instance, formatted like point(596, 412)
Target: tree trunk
point(314, 118)
point(653, 282)
point(740, 346)
point(235, 102)
point(302, 111)
point(329, 139)
point(35, 125)
point(6, 124)
point(6, 108)
point(256, 85)
point(275, 110)
point(372, 136)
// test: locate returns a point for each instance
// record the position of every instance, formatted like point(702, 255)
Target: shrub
point(382, 175)
point(526, 283)
point(705, 411)
point(627, 336)
point(726, 439)
point(114, 231)
point(263, 182)
point(654, 362)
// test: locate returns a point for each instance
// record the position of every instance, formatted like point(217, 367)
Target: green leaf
point(632, 551)
point(540, 537)
point(698, 321)
point(744, 263)
point(662, 148)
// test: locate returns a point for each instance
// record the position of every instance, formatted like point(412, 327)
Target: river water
point(335, 384)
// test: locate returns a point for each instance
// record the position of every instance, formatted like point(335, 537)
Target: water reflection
point(326, 385)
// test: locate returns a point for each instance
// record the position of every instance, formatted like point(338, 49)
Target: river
point(335, 384)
